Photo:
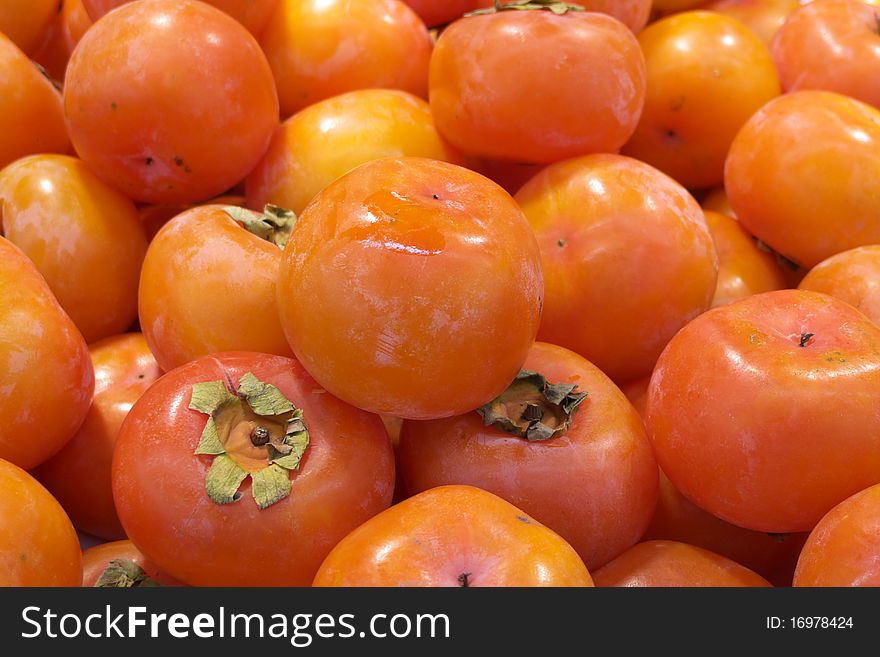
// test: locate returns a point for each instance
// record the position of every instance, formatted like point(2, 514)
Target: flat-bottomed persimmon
point(453, 536)
point(411, 287)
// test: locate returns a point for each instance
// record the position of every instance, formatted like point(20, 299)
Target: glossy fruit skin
point(772, 556)
point(44, 365)
point(669, 563)
point(144, 109)
point(743, 269)
point(577, 85)
point(628, 259)
point(852, 276)
point(252, 14)
point(96, 559)
point(79, 475)
point(604, 462)
point(25, 22)
point(453, 536)
point(322, 48)
point(345, 477)
point(411, 287)
point(31, 114)
point(195, 266)
point(440, 12)
point(832, 45)
point(322, 142)
point(707, 74)
point(76, 229)
point(842, 549)
point(808, 198)
point(65, 31)
point(738, 410)
point(38, 545)
point(763, 17)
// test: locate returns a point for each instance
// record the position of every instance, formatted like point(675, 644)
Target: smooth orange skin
point(832, 45)
point(763, 17)
point(322, 142)
point(322, 48)
point(252, 14)
point(707, 74)
point(411, 287)
point(435, 537)
point(25, 22)
point(79, 475)
point(844, 548)
point(61, 38)
point(84, 237)
point(440, 12)
point(346, 476)
point(604, 462)
point(145, 111)
point(808, 198)
point(577, 85)
point(743, 269)
point(852, 276)
point(38, 545)
point(97, 558)
point(632, 13)
point(208, 285)
point(628, 259)
point(738, 411)
point(31, 114)
point(670, 6)
point(677, 519)
point(44, 365)
point(669, 563)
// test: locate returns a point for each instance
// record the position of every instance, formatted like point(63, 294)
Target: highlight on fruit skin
point(454, 536)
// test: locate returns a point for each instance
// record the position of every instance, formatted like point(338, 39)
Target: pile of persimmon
point(439, 293)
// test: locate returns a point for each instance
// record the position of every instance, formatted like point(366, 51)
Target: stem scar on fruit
point(558, 8)
point(273, 224)
point(124, 574)
point(252, 431)
point(532, 408)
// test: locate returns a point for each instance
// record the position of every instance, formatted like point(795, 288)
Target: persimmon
point(763, 17)
point(738, 409)
point(31, 112)
point(322, 48)
point(411, 287)
point(743, 268)
point(44, 365)
point(237, 456)
point(25, 22)
point(832, 45)
point(119, 564)
point(593, 443)
point(707, 74)
point(453, 536)
point(320, 143)
point(808, 198)
point(79, 475)
point(536, 86)
point(144, 108)
point(852, 276)
point(231, 303)
point(627, 257)
point(252, 14)
point(843, 548)
point(84, 237)
point(38, 545)
point(669, 563)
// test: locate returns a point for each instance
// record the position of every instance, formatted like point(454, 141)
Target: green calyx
point(273, 224)
point(781, 260)
point(254, 432)
point(532, 408)
point(558, 8)
point(124, 574)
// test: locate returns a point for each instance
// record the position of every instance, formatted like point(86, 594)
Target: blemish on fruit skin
point(179, 162)
point(677, 104)
point(148, 161)
point(113, 106)
point(523, 519)
point(561, 242)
